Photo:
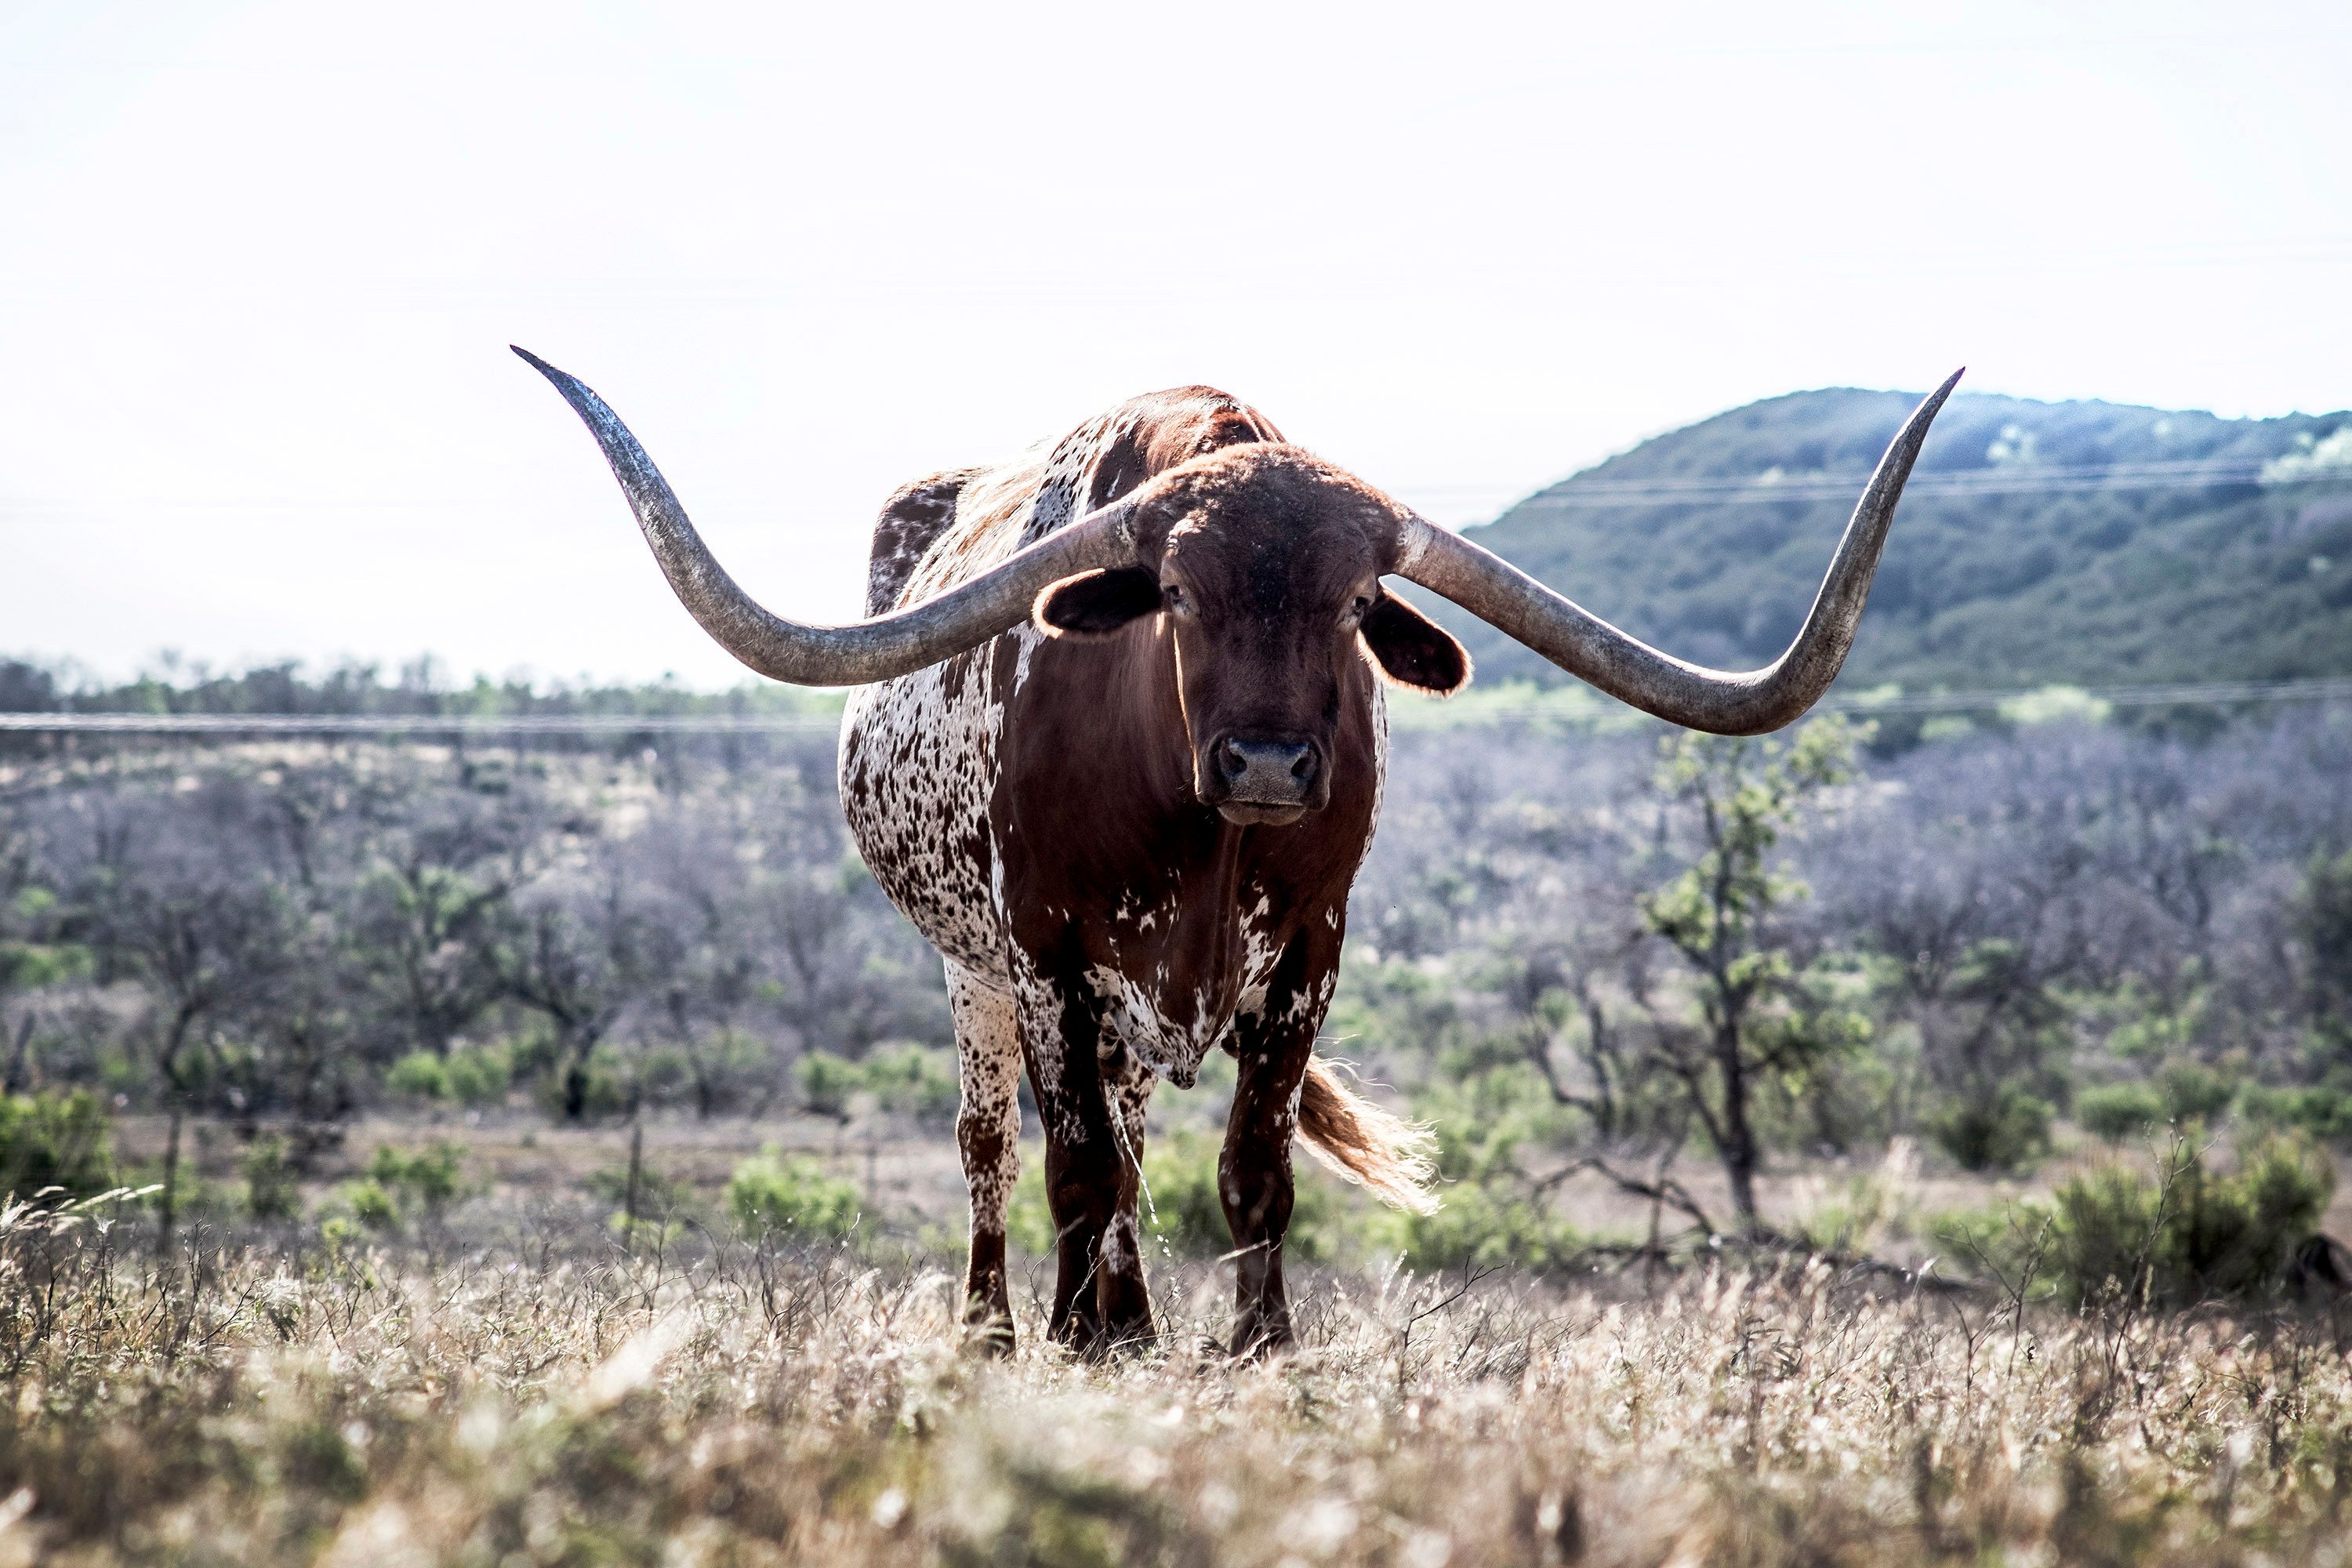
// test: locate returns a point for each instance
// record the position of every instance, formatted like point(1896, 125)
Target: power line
point(2191, 694)
point(1764, 490)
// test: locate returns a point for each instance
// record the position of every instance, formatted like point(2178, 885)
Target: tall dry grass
point(552, 1399)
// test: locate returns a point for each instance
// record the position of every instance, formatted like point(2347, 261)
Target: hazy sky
point(259, 263)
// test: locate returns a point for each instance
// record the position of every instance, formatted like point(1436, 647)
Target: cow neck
point(1107, 780)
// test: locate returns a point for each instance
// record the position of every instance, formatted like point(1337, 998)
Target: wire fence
point(2289, 470)
point(403, 725)
point(398, 726)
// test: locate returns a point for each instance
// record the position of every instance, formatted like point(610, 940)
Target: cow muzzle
point(1262, 781)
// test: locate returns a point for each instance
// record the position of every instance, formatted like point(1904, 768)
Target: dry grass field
point(515, 1386)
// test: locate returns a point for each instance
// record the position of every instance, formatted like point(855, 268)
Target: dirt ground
point(519, 1161)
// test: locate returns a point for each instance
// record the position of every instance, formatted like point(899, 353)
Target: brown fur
point(1385, 1154)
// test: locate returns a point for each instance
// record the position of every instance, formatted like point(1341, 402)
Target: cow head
point(1260, 571)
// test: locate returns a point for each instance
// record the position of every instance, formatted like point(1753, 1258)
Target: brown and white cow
point(1117, 754)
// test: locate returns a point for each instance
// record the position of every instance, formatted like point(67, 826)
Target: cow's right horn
point(1721, 701)
point(877, 649)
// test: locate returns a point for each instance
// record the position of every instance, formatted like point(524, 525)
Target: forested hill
point(2039, 542)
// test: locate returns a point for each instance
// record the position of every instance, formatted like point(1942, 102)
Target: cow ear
point(1414, 650)
point(1094, 603)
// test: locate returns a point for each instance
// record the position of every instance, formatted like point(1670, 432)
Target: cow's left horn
point(877, 649)
point(1725, 702)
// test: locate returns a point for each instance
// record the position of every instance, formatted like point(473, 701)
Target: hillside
point(2039, 542)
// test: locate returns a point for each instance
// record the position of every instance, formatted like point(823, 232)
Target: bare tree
point(574, 949)
point(1720, 915)
point(185, 893)
point(426, 914)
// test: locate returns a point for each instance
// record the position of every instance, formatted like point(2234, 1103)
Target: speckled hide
point(1032, 806)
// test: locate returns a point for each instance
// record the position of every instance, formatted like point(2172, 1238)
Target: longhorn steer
point(1119, 754)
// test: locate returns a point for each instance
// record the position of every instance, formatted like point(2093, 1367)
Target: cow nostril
point(1231, 760)
point(1305, 765)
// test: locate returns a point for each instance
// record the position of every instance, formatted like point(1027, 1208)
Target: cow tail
point(1383, 1154)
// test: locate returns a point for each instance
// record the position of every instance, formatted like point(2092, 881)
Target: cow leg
point(1122, 1299)
point(1272, 1047)
point(988, 1135)
point(1082, 1173)
point(1088, 1179)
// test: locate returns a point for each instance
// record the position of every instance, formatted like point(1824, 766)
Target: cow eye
point(1173, 597)
point(1360, 608)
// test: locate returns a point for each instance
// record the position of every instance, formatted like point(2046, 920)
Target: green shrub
point(420, 1075)
point(2147, 1027)
point(829, 1083)
point(2181, 1233)
point(605, 1085)
point(28, 966)
point(2323, 1112)
point(470, 1075)
point(1184, 1212)
point(647, 1232)
point(1028, 1218)
point(1849, 1217)
point(478, 1075)
point(54, 1141)
point(773, 1194)
point(2193, 1091)
point(272, 1190)
point(660, 1198)
point(2324, 922)
point(1482, 1225)
point(340, 1233)
point(2004, 1132)
point(371, 1203)
point(2231, 1234)
point(430, 1176)
point(2117, 1112)
point(913, 1080)
point(1482, 1121)
point(905, 1079)
point(315, 1456)
point(664, 1073)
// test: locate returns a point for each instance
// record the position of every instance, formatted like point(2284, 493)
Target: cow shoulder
point(911, 522)
point(1117, 451)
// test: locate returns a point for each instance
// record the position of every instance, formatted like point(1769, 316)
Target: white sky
point(259, 263)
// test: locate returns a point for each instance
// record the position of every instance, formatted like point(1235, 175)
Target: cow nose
point(1273, 772)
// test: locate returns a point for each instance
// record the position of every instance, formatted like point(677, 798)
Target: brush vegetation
point(1857, 1145)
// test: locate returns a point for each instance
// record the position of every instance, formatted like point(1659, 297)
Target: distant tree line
point(419, 688)
point(1576, 946)
point(297, 929)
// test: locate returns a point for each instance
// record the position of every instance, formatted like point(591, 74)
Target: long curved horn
point(1725, 702)
point(888, 645)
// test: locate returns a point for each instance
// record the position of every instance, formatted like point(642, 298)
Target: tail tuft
point(1386, 1155)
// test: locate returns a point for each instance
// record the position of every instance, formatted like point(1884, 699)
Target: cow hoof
point(1257, 1339)
point(1130, 1340)
point(1077, 1335)
point(989, 1341)
point(1118, 1344)
point(1092, 1342)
